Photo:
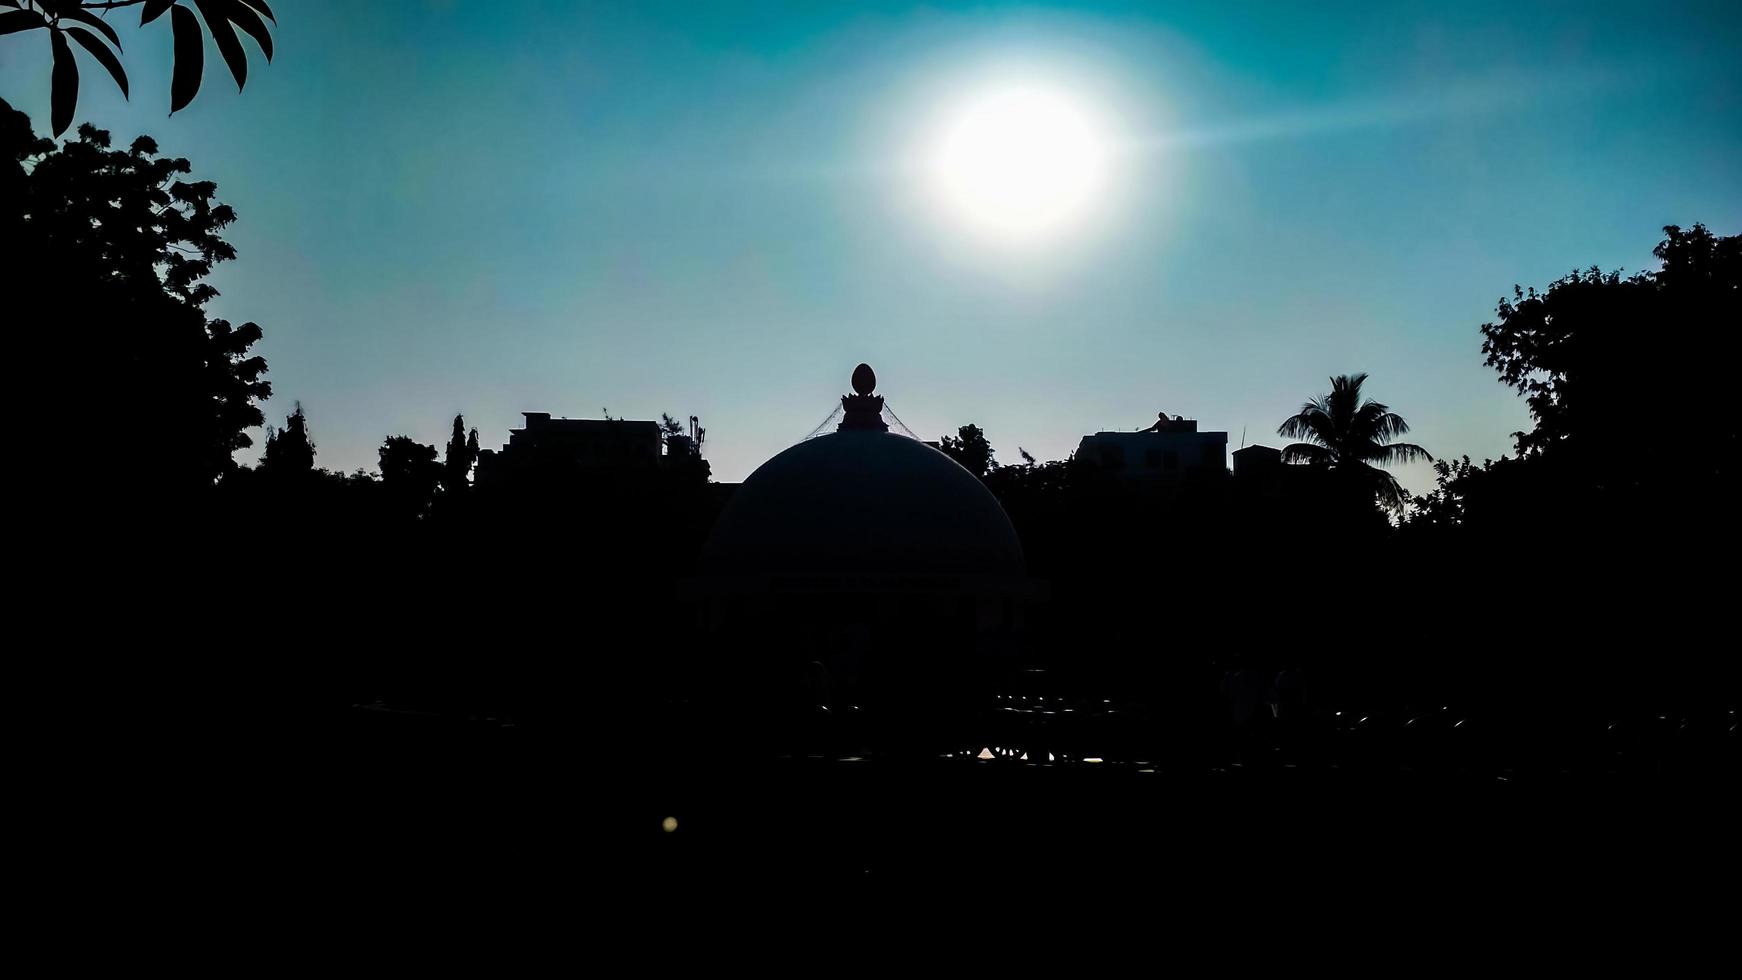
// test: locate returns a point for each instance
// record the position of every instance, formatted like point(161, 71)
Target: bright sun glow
point(1020, 163)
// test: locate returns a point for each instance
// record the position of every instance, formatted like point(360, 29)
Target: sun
point(1020, 163)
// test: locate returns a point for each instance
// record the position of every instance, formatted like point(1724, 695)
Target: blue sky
point(700, 208)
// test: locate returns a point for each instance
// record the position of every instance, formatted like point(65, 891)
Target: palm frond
point(1344, 398)
point(1312, 424)
point(1378, 422)
point(1389, 492)
point(1302, 452)
point(1402, 452)
point(1391, 425)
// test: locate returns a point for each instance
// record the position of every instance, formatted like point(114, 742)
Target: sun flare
point(1020, 163)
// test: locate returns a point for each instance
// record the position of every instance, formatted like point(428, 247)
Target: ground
point(481, 810)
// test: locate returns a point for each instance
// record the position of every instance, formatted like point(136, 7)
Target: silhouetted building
point(1256, 462)
point(1166, 451)
point(548, 444)
point(863, 567)
point(1261, 475)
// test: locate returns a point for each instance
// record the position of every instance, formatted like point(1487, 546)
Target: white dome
point(861, 501)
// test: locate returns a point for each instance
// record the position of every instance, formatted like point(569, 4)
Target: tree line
point(1627, 382)
point(135, 240)
point(1626, 468)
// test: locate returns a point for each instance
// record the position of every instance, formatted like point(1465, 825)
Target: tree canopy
point(1576, 350)
point(113, 251)
point(410, 475)
point(462, 455)
point(1627, 383)
point(970, 448)
point(290, 451)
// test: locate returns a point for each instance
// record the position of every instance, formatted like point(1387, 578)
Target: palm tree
point(1352, 438)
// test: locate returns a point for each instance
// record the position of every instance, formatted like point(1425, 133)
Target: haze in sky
point(719, 209)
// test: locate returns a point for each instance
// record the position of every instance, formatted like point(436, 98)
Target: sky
point(713, 209)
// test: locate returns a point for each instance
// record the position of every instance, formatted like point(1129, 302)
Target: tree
point(289, 451)
point(1627, 383)
point(61, 19)
point(409, 474)
point(112, 249)
point(1352, 437)
point(970, 448)
point(1576, 353)
point(461, 456)
point(1503, 504)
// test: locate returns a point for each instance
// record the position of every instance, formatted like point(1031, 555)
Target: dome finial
point(863, 411)
point(864, 379)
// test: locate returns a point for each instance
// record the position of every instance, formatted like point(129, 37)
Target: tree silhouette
point(970, 448)
point(1574, 352)
point(1596, 456)
point(112, 248)
point(1352, 437)
point(461, 455)
point(409, 475)
point(61, 20)
point(289, 451)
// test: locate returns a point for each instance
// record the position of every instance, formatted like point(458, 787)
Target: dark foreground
point(386, 813)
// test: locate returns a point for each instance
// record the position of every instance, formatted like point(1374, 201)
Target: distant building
point(1256, 461)
point(548, 444)
point(1261, 474)
point(1167, 451)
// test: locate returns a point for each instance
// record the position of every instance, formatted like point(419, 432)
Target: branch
point(110, 6)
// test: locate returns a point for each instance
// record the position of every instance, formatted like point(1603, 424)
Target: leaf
point(153, 10)
point(190, 58)
point(225, 35)
point(245, 18)
point(20, 20)
point(86, 17)
point(64, 95)
point(104, 56)
point(261, 6)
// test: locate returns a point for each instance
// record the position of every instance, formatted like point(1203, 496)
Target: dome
point(867, 502)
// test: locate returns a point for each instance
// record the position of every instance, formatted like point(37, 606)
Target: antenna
point(1242, 437)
